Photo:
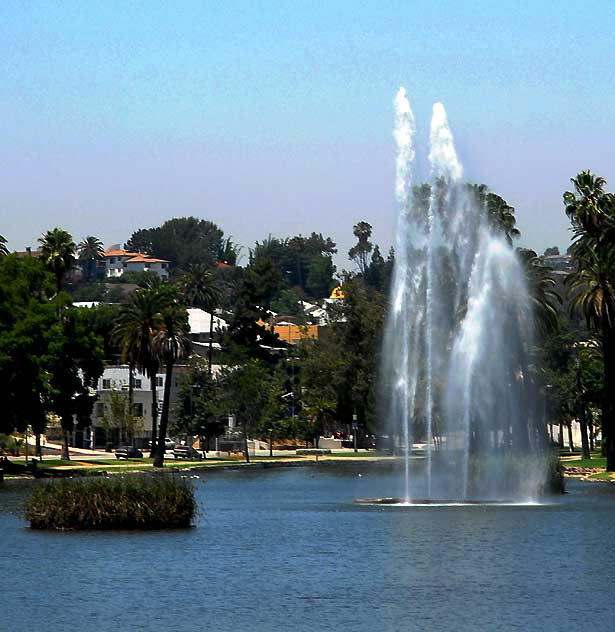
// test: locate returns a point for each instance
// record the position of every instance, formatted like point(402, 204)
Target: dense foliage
point(184, 241)
point(51, 353)
point(592, 286)
point(117, 503)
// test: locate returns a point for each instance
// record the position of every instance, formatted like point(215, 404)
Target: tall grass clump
point(117, 503)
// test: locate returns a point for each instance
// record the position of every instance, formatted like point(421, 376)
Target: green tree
point(119, 414)
point(500, 215)
point(260, 285)
point(304, 263)
point(228, 252)
point(182, 241)
point(58, 251)
point(591, 286)
point(90, 252)
point(320, 277)
point(201, 288)
point(75, 363)
point(26, 318)
point(360, 332)
point(323, 371)
point(198, 407)
point(360, 252)
point(288, 303)
point(541, 286)
point(244, 393)
point(171, 343)
point(275, 422)
point(102, 320)
point(137, 324)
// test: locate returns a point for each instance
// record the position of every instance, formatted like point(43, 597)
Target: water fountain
point(457, 374)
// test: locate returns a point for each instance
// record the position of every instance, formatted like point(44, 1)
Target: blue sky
point(276, 117)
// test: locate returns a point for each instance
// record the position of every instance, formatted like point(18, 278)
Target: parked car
point(169, 444)
point(128, 452)
point(187, 452)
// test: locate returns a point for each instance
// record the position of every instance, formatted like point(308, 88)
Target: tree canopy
point(183, 241)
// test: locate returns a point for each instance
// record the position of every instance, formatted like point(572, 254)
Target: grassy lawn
point(603, 476)
point(114, 465)
point(597, 461)
point(354, 455)
point(95, 466)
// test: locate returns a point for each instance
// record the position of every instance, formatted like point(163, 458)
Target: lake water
point(287, 549)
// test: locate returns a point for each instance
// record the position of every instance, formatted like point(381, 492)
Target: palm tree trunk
point(131, 387)
point(608, 404)
point(590, 423)
point(246, 453)
point(152, 452)
point(65, 453)
point(211, 340)
point(584, 437)
point(164, 418)
point(570, 441)
point(39, 450)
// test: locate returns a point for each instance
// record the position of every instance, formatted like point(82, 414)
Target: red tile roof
point(120, 253)
point(145, 259)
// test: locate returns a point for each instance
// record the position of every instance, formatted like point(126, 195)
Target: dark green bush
point(117, 503)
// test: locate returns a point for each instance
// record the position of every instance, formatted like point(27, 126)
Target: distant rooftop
point(145, 258)
point(118, 252)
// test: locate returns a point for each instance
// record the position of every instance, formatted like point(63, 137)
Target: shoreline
point(78, 470)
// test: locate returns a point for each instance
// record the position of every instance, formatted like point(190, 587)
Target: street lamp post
point(355, 428)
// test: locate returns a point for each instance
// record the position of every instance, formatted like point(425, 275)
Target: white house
point(115, 380)
point(204, 324)
point(118, 261)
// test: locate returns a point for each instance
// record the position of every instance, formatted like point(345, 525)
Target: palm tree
point(541, 286)
point(500, 215)
point(137, 325)
point(228, 252)
point(91, 251)
point(360, 252)
point(588, 207)
point(3, 249)
point(171, 343)
point(592, 286)
point(201, 289)
point(58, 250)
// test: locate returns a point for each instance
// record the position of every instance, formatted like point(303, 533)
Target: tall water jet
point(459, 332)
point(403, 377)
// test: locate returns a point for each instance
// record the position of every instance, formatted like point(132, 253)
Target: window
point(100, 409)
point(147, 265)
point(112, 260)
point(137, 410)
point(159, 381)
point(138, 384)
point(164, 266)
point(125, 264)
point(106, 385)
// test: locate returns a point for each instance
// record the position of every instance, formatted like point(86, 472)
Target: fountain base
point(401, 502)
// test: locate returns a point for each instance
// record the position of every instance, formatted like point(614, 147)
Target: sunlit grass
point(117, 503)
point(598, 461)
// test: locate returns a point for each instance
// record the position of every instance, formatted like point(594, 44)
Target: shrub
point(117, 503)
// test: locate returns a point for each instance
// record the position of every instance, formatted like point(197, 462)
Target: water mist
point(458, 336)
